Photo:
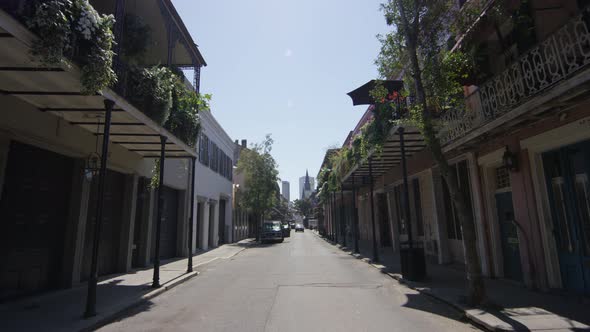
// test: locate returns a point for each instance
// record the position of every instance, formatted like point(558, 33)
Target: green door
point(567, 173)
point(509, 235)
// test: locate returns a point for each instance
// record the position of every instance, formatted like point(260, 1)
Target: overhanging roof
point(57, 91)
point(389, 158)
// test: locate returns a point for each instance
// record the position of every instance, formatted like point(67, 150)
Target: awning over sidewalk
point(57, 90)
point(389, 158)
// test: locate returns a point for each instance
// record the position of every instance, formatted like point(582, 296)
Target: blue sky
point(284, 67)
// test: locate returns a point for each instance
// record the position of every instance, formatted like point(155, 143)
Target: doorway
point(567, 172)
point(509, 236)
point(211, 221)
point(221, 229)
point(33, 214)
point(112, 217)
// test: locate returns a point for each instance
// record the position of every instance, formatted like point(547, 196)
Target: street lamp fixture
point(510, 160)
point(92, 166)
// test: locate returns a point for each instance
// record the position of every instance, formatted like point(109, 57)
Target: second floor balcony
point(544, 77)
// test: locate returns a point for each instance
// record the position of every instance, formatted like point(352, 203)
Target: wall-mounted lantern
point(510, 160)
point(92, 166)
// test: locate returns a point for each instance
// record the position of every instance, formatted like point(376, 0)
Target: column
point(439, 221)
point(183, 213)
point(4, 148)
point(215, 217)
point(147, 219)
point(76, 226)
point(205, 226)
point(128, 223)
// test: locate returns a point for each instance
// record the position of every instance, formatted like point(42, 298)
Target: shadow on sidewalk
point(510, 306)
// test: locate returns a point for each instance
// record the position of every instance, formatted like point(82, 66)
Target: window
point(502, 178)
point(204, 150)
point(212, 156)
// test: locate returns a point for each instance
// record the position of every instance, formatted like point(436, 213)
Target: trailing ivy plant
point(74, 28)
point(161, 93)
point(184, 121)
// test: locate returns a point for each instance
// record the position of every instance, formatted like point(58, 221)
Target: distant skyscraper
point(285, 191)
point(306, 185)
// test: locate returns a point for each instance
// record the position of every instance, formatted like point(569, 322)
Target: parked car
point(271, 231)
point(286, 230)
point(299, 228)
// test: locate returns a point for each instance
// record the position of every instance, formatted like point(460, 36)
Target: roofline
point(186, 34)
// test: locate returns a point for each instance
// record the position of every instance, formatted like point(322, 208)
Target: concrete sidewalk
point(511, 306)
point(62, 310)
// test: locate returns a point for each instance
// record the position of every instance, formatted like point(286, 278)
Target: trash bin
point(413, 262)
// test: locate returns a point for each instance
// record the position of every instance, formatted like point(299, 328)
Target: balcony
point(545, 73)
point(56, 90)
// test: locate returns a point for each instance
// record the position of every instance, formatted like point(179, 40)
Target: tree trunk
point(475, 286)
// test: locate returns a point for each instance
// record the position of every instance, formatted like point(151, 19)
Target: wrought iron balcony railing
point(555, 59)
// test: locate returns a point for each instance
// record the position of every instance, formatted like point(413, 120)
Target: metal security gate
point(168, 235)
point(110, 235)
point(33, 213)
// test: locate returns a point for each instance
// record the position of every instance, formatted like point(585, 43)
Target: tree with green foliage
point(259, 169)
point(417, 50)
point(303, 207)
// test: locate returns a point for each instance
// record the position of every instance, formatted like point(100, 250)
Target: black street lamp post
point(375, 253)
point(93, 280)
point(159, 208)
point(413, 262)
point(355, 218)
point(342, 216)
point(192, 215)
point(407, 215)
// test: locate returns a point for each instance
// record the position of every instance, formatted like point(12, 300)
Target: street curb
point(126, 308)
point(466, 314)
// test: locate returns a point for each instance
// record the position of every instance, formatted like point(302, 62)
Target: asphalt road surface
point(303, 284)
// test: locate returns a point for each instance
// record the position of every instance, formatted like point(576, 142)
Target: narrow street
point(303, 284)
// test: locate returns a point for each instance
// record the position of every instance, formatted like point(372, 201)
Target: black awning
point(361, 95)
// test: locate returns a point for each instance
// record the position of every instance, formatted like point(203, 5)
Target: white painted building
point(213, 184)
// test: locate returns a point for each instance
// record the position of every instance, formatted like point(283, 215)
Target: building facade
point(286, 190)
point(50, 134)
point(306, 186)
point(521, 153)
point(214, 186)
